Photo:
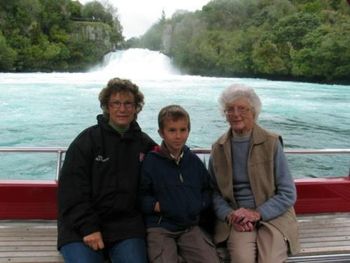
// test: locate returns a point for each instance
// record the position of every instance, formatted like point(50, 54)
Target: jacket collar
point(134, 128)
point(259, 135)
point(163, 151)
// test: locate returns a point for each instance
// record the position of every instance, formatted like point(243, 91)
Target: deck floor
point(321, 234)
point(29, 241)
point(35, 240)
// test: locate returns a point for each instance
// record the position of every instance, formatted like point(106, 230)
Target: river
point(50, 109)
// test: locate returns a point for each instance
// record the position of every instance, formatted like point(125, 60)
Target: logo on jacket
point(99, 158)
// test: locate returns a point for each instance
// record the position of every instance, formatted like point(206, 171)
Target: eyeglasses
point(128, 105)
point(239, 109)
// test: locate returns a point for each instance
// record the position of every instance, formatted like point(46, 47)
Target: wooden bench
point(29, 241)
point(324, 238)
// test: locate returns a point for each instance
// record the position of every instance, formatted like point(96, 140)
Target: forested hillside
point(278, 39)
point(55, 35)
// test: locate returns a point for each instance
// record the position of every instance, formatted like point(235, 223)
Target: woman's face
point(240, 116)
point(122, 108)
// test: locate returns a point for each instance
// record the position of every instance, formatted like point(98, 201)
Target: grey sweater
point(273, 207)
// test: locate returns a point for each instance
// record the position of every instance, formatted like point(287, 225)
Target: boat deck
point(24, 241)
point(323, 237)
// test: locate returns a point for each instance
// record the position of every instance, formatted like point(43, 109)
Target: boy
point(174, 191)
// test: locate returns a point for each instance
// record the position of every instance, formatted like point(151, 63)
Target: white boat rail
point(60, 151)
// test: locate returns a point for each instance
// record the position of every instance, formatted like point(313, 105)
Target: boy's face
point(175, 134)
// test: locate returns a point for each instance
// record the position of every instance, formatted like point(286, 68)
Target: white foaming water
point(145, 63)
point(50, 109)
point(136, 64)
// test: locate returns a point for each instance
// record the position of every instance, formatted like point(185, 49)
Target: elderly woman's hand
point(243, 219)
point(244, 227)
point(244, 215)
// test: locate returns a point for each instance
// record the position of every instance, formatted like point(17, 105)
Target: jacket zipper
point(181, 178)
point(159, 220)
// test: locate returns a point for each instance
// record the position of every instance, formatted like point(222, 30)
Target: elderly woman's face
point(240, 116)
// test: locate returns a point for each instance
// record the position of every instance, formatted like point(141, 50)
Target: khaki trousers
point(190, 245)
point(264, 245)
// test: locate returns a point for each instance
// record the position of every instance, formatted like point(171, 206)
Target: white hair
point(237, 91)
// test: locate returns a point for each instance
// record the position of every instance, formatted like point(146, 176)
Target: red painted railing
point(29, 199)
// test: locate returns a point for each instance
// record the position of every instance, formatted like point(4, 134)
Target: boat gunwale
point(29, 198)
point(195, 150)
point(60, 151)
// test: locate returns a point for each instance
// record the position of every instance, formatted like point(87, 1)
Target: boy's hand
point(157, 207)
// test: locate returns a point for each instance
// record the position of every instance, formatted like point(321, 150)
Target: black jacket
point(97, 188)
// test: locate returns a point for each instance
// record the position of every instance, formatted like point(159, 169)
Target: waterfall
point(135, 64)
point(142, 63)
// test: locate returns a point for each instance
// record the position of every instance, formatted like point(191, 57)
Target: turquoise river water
point(50, 109)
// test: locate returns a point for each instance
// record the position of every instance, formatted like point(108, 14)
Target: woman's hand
point(244, 215)
point(94, 241)
point(243, 219)
point(248, 227)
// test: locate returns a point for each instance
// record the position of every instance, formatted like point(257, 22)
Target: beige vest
point(262, 182)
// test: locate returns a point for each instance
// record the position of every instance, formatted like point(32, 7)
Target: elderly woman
point(254, 191)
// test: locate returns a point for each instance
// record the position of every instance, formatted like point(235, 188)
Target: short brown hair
point(117, 85)
point(173, 112)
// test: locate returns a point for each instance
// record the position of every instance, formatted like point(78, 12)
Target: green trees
point(325, 52)
point(7, 54)
point(289, 39)
point(42, 35)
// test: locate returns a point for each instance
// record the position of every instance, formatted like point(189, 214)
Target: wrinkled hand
point(248, 227)
point(94, 241)
point(243, 219)
point(244, 215)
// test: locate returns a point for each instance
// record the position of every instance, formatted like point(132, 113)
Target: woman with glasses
point(97, 192)
point(254, 191)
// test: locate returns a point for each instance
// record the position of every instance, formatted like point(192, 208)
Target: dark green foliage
point(55, 35)
point(293, 28)
point(285, 39)
point(7, 54)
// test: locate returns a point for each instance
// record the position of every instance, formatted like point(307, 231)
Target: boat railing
point(60, 151)
point(202, 152)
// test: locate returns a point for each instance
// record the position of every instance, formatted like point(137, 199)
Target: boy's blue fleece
point(182, 190)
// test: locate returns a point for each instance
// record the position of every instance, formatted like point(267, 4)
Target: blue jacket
point(182, 189)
